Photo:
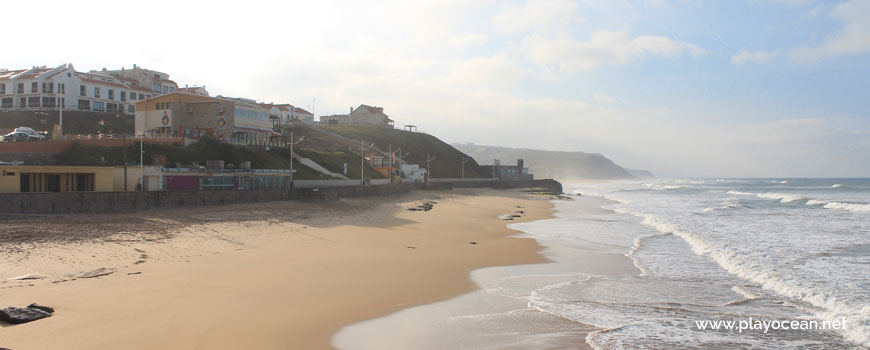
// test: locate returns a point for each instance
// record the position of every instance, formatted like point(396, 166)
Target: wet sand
point(266, 276)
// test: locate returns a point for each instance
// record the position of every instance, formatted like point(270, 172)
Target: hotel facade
point(49, 89)
point(181, 114)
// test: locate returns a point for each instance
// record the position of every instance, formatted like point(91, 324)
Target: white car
point(31, 134)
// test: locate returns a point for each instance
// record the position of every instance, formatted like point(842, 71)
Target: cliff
point(549, 164)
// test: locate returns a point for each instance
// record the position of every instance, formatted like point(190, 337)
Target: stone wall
point(91, 202)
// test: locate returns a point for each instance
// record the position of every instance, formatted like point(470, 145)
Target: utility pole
point(463, 168)
point(391, 163)
point(141, 161)
point(401, 156)
point(291, 153)
point(362, 161)
point(60, 110)
point(428, 167)
point(125, 161)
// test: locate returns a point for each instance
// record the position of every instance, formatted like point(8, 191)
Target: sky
point(699, 88)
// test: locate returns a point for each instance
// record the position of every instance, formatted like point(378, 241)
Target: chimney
point(351, 109)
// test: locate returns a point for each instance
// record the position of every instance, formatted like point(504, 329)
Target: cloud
point(535, 15)
point(492, 72)
point(757, 57)
point(852, 40)
point(602, 99)
point(468, 40)
point(603, 46)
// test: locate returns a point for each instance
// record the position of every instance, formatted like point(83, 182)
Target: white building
point(368, 115)
point(42, 88)
point(157, 82)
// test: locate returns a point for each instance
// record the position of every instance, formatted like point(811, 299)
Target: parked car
point(16, 136)
point(32, 135)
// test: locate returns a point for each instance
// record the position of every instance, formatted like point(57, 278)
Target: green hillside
point(209, 149)
point(447, 163)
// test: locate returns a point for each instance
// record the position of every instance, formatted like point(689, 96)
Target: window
point(22, 102)
point(123, 95)
point(3, 89)
point(171, 89)
point(111, 94)
point(7, 103)
point(34, 87)
point(85, 105)
point(96, 93)
point(99, 106)
point(83, 90)
point(170, 105)
point(155, 87)
point(165, 89)
point(142, 97)
point(51, 88)
point(48, 101)
point(131, 109)
point(218, 182)
point(33, 102)
point(20, 88)
point(158, 106)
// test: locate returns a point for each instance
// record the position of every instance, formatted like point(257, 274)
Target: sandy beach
point(273, 275)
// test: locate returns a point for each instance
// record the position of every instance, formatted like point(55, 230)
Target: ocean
point(763, 254)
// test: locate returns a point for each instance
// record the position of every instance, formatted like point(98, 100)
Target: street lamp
point(428, 168)
point(142, 161)
point(463, 168)
point(362, 161)
point(291, 153)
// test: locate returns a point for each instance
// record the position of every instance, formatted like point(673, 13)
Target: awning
point(253, 129)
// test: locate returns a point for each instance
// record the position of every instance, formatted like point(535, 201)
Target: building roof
point(9, 74)
point(371, 109)
point(109, 83)
point(301, 111)
point(166, 81)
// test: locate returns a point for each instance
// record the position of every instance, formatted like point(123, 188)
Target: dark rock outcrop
point(47, 309)
point(17, 315)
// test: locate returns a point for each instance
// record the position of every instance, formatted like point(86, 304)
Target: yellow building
point(56, 178)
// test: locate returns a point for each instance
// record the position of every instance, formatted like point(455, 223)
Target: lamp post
point(462, 176)
point(362, 161)
point(428, 168)
point(291, 153)
point(141, 161)
point(60, 111)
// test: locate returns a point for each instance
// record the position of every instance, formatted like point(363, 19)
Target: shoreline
point(497, 314)
point(278, 275)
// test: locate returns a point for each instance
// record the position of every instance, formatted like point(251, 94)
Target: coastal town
point(162, 137)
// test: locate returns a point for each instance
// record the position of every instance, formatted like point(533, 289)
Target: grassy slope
point(447, 163)
point(320, 145)
point(200, 152)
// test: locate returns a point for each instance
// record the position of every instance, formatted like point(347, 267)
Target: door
point(52, 183)
point(25, 183)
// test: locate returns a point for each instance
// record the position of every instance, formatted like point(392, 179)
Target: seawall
point(91, 202)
